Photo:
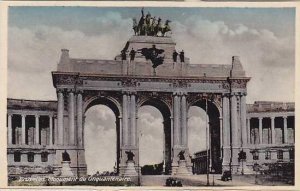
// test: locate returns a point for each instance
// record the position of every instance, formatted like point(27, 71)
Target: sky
point(264, 38)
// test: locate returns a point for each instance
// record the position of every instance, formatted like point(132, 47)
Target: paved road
point(201, 180)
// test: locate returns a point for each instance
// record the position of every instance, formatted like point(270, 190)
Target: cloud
point(266, 57)
point(34, 52)
point(196, 130)
point(151, 135)
point(100, 139)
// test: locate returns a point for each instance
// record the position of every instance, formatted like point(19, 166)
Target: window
point(17, 156)
point(267, 155)
point(255, 155)
point(280, 154)
point(44, 156)
point(30, 157)
point(292, 154)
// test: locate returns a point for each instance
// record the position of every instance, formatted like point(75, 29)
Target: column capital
point(184, 93)
point(36, 115)
point(23, 115)
point(272, 117)
point(70, 90)
point(60, 90)
point(285, 117)
point(125, 92)
point(232, 94)
point(79, 91)
point(241, 94)
point(260, 118)
point(132, 93)
point(225, 95)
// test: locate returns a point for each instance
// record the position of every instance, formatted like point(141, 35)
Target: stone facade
point(270, 135)
point(271, 131)
point(124, 86)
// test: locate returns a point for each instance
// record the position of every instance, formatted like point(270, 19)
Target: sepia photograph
point(151, 96)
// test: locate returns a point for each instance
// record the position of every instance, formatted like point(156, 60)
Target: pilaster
point(71, 113)
point(60, 117)
point(9, 128)
point(23, 130)
point(37, 130)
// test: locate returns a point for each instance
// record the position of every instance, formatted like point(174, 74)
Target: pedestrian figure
point(175, 54)
point(132, 54)
point(181, 56)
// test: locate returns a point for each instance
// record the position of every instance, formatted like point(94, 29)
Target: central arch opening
point(101, 137)
point(204, 137)
point(154, 127)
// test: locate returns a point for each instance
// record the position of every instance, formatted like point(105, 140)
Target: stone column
point(120, 131)
point(260, 130)
point(243, 121)
point(285, 133)
point(55, 131)
point(221, 130)
point(183, 120)
point(51, 130)
point(23, 130)
point(234, 121)
point(9, 129)
point(176, 119)
point(172, 130)
point(71, 118)
point(37, 130)
point(125, 118)
point(273, 129)
point(226, 132)
point(79, 119)
point(235, 136)
point(60, 118)
point(133, 119)
point(248, 130)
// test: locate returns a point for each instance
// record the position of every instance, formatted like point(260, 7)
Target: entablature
point(142, 83)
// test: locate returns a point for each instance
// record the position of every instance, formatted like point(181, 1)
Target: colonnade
point(272, 128)
point(23, 128)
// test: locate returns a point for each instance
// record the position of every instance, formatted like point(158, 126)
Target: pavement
point(214, 180)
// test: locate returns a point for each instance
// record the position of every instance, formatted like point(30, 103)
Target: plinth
point(130, 169)
point(182, 169)
point(66, 169)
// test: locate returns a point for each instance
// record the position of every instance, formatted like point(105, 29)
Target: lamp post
point(213, 172)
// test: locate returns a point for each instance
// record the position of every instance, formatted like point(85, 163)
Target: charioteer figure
point(148, 25)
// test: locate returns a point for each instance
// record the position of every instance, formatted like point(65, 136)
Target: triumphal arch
point(148, 72)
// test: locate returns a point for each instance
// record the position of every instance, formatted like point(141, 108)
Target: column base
point(66, 169)
point(182, 169)
point(130, 169)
